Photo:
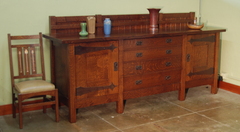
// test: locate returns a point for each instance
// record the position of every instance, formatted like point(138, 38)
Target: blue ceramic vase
point(107, 26)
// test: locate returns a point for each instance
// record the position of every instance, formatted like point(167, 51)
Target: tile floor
point(200, 112)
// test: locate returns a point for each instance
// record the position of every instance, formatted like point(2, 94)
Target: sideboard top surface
point(71, 38)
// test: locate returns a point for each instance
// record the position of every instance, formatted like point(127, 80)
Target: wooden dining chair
point(27, 79)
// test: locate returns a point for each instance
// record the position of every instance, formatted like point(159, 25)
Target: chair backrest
point(27, 57)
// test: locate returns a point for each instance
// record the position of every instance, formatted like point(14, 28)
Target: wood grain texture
point(141, 63)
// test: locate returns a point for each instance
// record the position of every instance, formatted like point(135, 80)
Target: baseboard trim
point(7, 109)
point(229, 87)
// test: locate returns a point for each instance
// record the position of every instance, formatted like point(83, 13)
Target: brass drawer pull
point(168, 63)
point(139, 54)
point(168, 40)
point(139, 43)
point(138, 82)
point(168, 51)
point(138, 67)
point(167, 77)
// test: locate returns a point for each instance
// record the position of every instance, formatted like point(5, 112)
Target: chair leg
point(56, 106)
point(44, 107)
point(53, 99)
point(20, 112)
point(13, 105)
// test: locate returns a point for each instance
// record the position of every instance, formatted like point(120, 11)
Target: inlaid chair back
point(26, 55)
point(28, 81)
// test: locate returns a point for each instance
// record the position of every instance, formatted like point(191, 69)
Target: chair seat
point(34, 86)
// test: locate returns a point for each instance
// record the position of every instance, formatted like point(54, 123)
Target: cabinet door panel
point(200, 56)
point(96, 69)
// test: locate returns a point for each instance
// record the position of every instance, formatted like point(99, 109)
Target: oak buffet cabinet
point(131, 62)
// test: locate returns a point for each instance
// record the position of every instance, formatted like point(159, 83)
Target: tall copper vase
point(154, 13)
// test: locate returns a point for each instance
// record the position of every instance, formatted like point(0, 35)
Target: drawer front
point(151, 80)
point(142, 67)
point(146, 54)
point(152, 42)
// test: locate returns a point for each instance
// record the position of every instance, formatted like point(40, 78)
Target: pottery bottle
point(83, 29)
point(107, 26)
point(91, 25)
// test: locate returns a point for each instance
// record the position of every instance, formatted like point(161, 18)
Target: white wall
point(20, 17)
point(226, 14)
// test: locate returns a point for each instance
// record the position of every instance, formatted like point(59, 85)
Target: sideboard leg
point(72, 115)
point(181, 94)
point(214, 88)
point(120, 107)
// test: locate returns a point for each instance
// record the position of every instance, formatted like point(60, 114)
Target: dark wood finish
point(26, 57)
point(201, 53)
point(199, 47)
point(132, 61)
point(124, 22)
point(170, 21)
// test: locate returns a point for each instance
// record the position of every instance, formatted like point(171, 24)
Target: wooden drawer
point(152, 43)
point(151, 80)
point(146, 54)
point(151, 90)
point(142, 67)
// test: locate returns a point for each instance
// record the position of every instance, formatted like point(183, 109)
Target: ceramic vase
point(83, 29)
point(154, 13)
point(91, 25)
point(107, 26)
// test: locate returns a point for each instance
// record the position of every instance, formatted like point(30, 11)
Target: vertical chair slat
point(20, 61)
point(26, 61)
point(33, 59)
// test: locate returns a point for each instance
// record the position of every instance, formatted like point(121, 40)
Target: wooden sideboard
point(131, 62)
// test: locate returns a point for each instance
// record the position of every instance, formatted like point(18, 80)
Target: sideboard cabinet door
point(200, 59)
point(96, 67)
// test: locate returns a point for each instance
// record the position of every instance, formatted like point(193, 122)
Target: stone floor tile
point(200, 98)
point(149, 127)
point(227, 115)
point(140, 111)
point(193, 123)
point(35, 121)
point(200, 112)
